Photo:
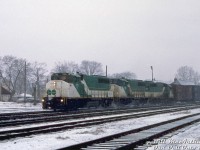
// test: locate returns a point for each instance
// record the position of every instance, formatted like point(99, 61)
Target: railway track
point(60, 116)
point(20, 115)
point(35, 114)
point(132, 138)
point(21, 132)
point(24, 115)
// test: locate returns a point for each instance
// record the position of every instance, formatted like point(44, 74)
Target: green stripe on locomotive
point(137, 85)
point(81, 89)
point(153, 87)
point(167, 91)
point(94, 82)
point(123, 83)
point(73, 79)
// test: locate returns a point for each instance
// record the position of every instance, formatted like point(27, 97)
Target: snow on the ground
point(186, 139)
point(9, 107)
point(77, 135)
point(63, 121)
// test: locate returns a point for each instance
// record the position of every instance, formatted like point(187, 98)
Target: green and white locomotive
point(73, 91)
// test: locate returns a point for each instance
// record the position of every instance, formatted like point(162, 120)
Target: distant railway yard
point(126, 128)
point(89, 112)
point(99, 75)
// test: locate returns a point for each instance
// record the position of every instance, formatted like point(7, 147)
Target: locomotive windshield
point(70, 78)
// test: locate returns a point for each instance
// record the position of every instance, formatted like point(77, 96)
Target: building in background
point(5, 94)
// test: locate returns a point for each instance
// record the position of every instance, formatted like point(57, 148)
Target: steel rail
point(12, 133)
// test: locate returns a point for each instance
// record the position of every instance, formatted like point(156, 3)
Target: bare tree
point(13, 74)
point(11, 70)
point(186, 73)
point(91, 68)
point(63, 67)
point(23, 79)
point(127, 75)
point(196, 78)
point(37, 77)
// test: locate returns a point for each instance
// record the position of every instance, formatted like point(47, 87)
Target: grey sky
point(126, 35)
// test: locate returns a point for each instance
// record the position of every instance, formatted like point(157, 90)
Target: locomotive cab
point(57, 92)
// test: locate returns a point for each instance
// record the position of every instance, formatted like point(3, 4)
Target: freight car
point(70, 92)
point(185, 91)
point(182, 93)
point(196, 93)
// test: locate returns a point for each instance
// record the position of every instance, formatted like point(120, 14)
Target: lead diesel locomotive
point(73, 91)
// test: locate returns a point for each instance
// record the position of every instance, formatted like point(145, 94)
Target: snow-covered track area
point(132, 138)
point(79, 128)
point(13, 133)
point(41, 117)
point(20, 115)
point(22, 118)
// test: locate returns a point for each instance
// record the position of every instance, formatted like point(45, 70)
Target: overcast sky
point(126, 35)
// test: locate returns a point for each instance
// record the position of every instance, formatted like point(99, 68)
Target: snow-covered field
point(70, 137)
point(9, 107)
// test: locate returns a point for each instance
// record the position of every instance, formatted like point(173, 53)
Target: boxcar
point(183, 92)
point(196, 92)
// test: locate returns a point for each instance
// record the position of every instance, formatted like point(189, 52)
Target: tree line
point(88, 68)
point(187, 73)
point(19, 75)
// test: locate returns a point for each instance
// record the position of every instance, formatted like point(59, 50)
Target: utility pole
point(34, 93)
point(25, 83)
point(0, 86)
point(38, 85)
point(152, 72)
point(106, 71)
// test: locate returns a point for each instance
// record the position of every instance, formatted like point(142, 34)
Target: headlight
point(42, 100)
point(61, 100)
